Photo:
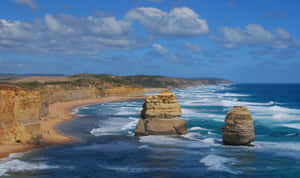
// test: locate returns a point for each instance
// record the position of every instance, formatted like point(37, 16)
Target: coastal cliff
point(19, 115)
point(25, 102)
point(22, 110)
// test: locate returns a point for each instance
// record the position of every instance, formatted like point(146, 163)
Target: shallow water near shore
point(110, 149)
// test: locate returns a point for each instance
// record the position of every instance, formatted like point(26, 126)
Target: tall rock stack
point(239, 129)
point(161, 116)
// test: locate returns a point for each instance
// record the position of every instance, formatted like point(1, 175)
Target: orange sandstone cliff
point(22, 110)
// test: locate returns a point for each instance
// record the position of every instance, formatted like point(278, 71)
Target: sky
point(255, 41)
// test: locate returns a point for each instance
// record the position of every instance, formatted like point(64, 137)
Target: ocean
point(108, 147)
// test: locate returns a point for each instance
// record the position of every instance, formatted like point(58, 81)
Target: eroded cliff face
point(17, 106)
point(22, 110)
point(62, 95)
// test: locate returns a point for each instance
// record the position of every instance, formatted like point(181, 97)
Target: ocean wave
point(277, 147)
point(115, 126)
point(186, 113)
point(128, 169)
point(191, 140)
point(198, 128)
point(192, 136)
point(219, 163)
point(231, 94)
point(130, 125)
point(293, 125)
point(231, 103)
point(13, 166)
point(125, 111)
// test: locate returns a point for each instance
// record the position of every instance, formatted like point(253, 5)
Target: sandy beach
point(58, 113)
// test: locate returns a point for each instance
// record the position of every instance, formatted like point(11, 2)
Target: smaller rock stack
point(161, 116)
point(239, 129)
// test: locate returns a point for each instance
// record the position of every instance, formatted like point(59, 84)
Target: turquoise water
point(109, 148)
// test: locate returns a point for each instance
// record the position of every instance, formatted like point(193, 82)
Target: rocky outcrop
point(161, 116)
point(239, 129)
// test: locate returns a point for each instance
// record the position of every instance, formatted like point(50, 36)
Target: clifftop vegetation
point(102, 81)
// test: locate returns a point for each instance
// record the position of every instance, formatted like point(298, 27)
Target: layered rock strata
point(21, 110)
point(239, 129)
point(161, 116)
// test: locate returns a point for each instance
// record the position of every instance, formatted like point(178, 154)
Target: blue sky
point(245, 41)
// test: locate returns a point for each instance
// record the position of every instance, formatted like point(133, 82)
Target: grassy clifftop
point(103, 81)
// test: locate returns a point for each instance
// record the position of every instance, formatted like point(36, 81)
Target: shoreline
point(58, 113)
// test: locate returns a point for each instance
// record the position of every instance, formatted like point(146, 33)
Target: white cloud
point(178, 22)
point(255, 34)
point(30, 3)
point(52, 23)
point(193, 47)
point(160, 50)
point(66, 35)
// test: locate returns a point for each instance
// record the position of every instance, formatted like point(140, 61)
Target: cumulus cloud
point(256, 34)
point(66, 35)
point(178, 22)
point(193, 47)
point(30, 3)
point(160, 50)
point(52, 23)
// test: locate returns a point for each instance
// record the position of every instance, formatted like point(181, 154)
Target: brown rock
point(160, 116)
point(239, 129)
point(162, 105)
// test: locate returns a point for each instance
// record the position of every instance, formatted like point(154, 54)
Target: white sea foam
point(128, 169)
point(16, 165)
point(294, 125)
point(186, 113)
point(198, 128)
point(231, 94)
point(74, 111)
point(277, 146)
point(16, 155)
point(219, 163)
point(131, 124)
point(115, 126)
point(125, 111)
point(211, 133)
point(210, 141)
point(143, 147)
point(193, 141)
point(192, 136)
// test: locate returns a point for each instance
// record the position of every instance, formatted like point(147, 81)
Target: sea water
point(108, 147)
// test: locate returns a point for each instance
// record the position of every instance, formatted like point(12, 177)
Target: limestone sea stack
point(239, 129)
point(161, 116)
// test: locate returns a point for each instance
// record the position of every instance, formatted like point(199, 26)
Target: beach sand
point(58, 113)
